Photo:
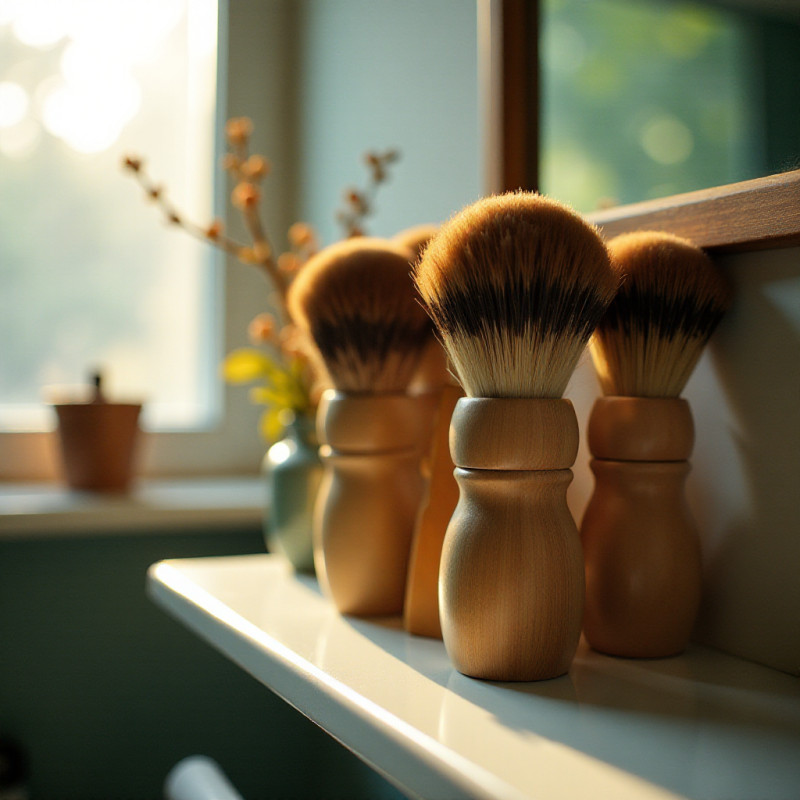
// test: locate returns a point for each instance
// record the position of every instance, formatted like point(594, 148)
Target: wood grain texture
point(370, 423)
point(641, 429)
point(421, 612)
point(367, 504)
point(511, 582)
point(750, 215)
point(641, 545)
point(514, 433)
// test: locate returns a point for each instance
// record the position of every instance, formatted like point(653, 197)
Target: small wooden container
point(512, 580)
point(368, 500)
point(642, 550)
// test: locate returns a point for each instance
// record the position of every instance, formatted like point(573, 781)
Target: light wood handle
point(368, 501)
point(641, 547)
point(421, 614)
point(372, 423)
point(641, 429)
point(512, 581)
point(514, 433)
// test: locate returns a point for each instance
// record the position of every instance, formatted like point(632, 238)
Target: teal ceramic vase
point(292, 471)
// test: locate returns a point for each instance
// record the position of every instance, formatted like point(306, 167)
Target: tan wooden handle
point(641, 547)
point(511, 581)
point(372, 423)
point(641, 429)
point(421, 613)
point(367, 503)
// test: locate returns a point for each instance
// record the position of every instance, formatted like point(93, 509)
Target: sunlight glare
point(41, 23)
point(13, 104)
point(20, 141)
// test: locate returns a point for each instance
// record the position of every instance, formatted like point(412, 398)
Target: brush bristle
point(670, 300)
point(358, 302)
point(416, 239)
point(515, 285)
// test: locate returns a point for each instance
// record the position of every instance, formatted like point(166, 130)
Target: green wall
point(106, 693)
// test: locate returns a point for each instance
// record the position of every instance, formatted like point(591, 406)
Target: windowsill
point(202, 504)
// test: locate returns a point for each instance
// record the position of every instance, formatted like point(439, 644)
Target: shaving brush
point(641, 546)
point(515, 285)
point(431, 374)
point(358, 304)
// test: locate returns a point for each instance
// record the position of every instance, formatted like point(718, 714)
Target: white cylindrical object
point(198, 778)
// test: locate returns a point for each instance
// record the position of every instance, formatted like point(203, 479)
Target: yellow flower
point(271, 424)
point(245, 365)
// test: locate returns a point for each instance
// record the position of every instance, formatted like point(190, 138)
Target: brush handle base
point(511, 584)
point(641, 546)
point(367, 504)
point(421, 612)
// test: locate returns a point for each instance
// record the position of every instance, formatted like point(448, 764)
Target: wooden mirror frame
point(751, 215)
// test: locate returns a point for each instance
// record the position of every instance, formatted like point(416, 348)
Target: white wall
point(380, 74)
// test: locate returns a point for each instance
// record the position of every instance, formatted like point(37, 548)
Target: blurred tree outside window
point(91, 279)
point(649, 98)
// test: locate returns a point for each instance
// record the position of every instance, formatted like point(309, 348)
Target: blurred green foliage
point(647, 98)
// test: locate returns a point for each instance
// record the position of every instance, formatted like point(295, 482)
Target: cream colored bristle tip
point(515, 285)
point(359, 305)
point(671, 299)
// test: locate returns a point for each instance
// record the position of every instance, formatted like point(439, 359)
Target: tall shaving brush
point(357, 301)
point(642, 550)
point(515, 285)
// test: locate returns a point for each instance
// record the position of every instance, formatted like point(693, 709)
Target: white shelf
point(703, 725)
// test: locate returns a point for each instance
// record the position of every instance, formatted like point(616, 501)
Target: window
point(91, 281)
point(644, 99)
point(752, 213)
point(218, 434)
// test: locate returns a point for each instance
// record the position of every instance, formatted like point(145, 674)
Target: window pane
point(91, 278)
point(648, 98)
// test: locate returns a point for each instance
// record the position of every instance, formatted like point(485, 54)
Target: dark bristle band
point(366, 340)
point(663, 314)
point(518, 305)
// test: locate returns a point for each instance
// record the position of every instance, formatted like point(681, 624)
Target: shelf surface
point(702, 725)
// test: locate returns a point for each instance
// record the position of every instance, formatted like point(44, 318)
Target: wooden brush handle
point(511, 582)
point(421, 613)
point(641, 547)
point(367, 503)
